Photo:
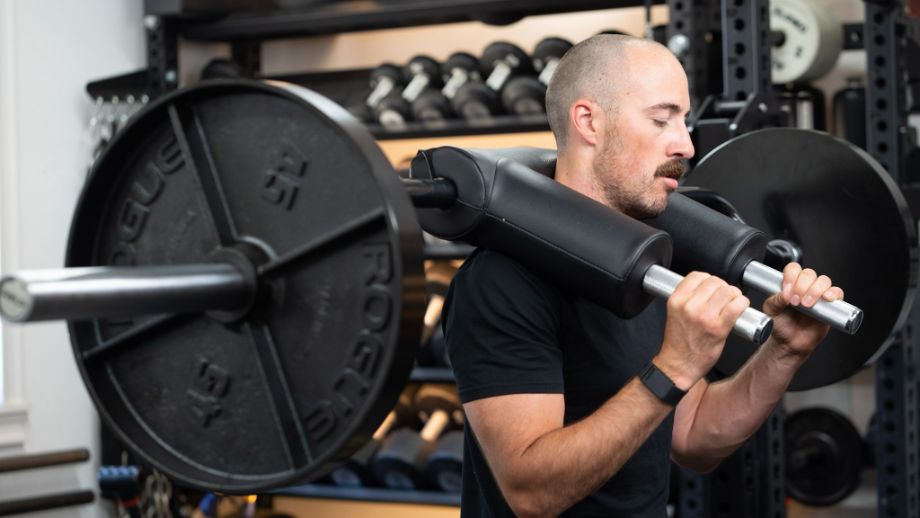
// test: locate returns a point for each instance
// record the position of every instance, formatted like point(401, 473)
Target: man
point(557, 420)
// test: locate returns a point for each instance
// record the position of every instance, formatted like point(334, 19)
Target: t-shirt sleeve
point(501, 323)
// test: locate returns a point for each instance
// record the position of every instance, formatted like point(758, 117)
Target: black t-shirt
point(510, 332)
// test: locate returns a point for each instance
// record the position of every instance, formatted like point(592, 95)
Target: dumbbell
point(357, 107)
point(613, 32)
point(421, 73)
point(459, 69)
point(356, 471)
point(501, 61)
point(708, 240)
point(384, 81)
point(432, 107)
point(823, 456)
point(445, 463)
point(393, 111)
point(401, 461)
point(526, 95)
point(546, 56)
point(221, 68)
point(438, 276)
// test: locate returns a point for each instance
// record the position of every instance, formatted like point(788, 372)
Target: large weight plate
point(850, 219)
point(823, 456)
point(305, 378)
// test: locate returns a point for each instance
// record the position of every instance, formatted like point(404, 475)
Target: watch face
point(660, 385)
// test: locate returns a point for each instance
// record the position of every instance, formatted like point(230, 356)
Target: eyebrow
point(671, 107)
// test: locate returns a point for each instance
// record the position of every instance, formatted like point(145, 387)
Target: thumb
point(774, 305)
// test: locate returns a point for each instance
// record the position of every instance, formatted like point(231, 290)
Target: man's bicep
point(505, 426)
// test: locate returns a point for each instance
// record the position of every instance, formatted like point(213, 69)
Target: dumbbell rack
point(166, 21)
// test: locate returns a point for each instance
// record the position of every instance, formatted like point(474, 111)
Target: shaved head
point(594, 69)
point(618, 107)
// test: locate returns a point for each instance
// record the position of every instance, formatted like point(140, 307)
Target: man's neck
point(575, 171)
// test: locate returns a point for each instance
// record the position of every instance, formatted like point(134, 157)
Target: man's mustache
point(673, 169)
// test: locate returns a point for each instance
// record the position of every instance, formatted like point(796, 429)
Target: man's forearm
point(731, 410)
point(566, 465)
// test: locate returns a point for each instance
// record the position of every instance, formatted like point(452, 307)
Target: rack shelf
point(432, 375)
point(371, 494)
point(459, 127)
point(447, 251)
point(312, 18)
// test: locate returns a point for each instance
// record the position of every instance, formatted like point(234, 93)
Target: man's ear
point(587, 120)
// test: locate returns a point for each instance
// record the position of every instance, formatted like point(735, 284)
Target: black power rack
point(732, 81)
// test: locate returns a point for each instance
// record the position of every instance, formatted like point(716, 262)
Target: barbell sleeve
point(431, 193)
point(752, 325)
point(839, 314)
point(103, 292)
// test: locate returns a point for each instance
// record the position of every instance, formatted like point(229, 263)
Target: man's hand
point(701, 314)
point(799, 333)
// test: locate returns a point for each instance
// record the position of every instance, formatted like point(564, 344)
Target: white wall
point(49, 50)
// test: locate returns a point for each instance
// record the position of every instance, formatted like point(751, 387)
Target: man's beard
point(635, 204)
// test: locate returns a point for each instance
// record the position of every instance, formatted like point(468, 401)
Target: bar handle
point(752, 325)
point(841, 315)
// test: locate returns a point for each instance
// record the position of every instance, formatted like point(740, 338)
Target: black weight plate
point(850, 219)
point(823, 456)
point(306, 377)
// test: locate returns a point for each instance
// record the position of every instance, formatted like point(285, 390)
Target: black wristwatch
point(660, 385)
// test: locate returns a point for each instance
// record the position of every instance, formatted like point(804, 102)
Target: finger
point(732, 311)
point(700, 297)
point(834, 293)
point(686, 287)
point(684, 290)
point(790, 274)
point(722, 296)
point(802, 283)
point(774, 305)
point(816, 290)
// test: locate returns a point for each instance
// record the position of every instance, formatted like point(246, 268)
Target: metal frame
point(885, 94)
point(162, 55)
point(692, 33)
point(886, 38)
point(746, 101)
point(248, 53)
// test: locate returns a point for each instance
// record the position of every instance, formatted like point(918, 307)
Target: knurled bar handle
point(752, 325)
point(101, 292)
point(839, 314)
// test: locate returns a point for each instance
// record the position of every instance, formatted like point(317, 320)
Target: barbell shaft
point(752, 325)
point(839, 314)
point(103, 292)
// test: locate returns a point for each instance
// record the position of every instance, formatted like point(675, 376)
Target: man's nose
point(682, 146)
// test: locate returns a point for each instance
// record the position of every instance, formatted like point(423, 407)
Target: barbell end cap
point(853, 323)
point(764, 330)
point(15, 300)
